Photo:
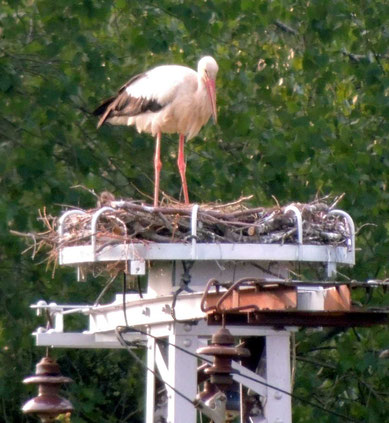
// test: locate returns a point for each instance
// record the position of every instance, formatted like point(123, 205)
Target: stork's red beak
point(211, 88)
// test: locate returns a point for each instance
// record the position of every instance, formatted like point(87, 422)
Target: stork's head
point(207, 69)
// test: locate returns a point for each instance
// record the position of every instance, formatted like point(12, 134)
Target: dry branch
point(132, 221)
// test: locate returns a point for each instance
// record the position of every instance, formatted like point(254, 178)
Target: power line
point(302, 399)
point(123, 329)
point(127, 345)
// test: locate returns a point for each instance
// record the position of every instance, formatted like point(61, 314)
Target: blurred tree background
point(303, 99)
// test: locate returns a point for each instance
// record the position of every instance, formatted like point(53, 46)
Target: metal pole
point(183, 376)
point(150, 381)
point(278, 408)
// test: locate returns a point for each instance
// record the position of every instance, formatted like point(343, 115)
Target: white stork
point(169, 99)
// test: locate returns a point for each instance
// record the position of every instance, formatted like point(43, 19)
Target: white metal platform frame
point(153, 313)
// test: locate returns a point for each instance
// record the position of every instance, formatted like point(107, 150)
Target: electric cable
point(127, 345)
point(124, 298)
point(301, 399)
point(104, 290)
point(123, 329)
point(126, 329)
point(139, 286)
point(184, 286)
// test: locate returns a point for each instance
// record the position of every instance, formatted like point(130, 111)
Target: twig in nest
point(364, 226)
point(141, 192)
point(337, 200)
point(91, 191)
point(134, 222)
point(233, 203)
point(34, 246)
point(105, 289)
point(276, 201)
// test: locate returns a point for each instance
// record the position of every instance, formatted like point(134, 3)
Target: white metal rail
point(153, 314)
point(138, 250)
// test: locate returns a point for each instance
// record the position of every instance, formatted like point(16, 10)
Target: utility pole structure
point(193, 290)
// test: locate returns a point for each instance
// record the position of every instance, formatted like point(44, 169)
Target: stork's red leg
point(157, 167)
point(182, 167)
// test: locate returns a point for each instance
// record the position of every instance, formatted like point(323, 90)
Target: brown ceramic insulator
point(223, 351)
point(208, 392)
point(222, 337)
point(48, 405)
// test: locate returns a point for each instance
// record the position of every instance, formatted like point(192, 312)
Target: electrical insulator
point(223, 351)
point(48, 405)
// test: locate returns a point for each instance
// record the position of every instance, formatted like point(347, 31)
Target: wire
point(139, 286)
point(184, 286)
point(128, 348)
point(302, 399)
point(128, 328)
point(124, 298)
point(105, 289)
point(123, 329)
point(294, 396)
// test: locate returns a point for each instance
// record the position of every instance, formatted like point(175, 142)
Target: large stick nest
point(133, 221)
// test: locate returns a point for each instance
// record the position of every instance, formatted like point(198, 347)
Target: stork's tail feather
point(103, 110)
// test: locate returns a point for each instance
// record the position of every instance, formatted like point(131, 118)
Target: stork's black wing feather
point(125, 105)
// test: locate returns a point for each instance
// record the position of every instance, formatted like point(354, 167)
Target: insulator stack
point(223, 351)
point(48, 405)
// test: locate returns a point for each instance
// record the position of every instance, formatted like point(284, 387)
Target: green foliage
point(341, 371)
point(303, 111)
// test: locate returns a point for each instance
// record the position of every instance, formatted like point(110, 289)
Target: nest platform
point(125, 231)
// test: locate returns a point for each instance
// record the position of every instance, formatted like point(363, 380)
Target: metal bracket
point(137, 267)
point(214, 408)
point(93, 227)
point(61, 224)
point(351, 227)
point(299, 220)
point(195, 210)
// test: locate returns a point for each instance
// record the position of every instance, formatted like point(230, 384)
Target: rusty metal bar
point(203, 305)
point(235, 286)
point(282, 318)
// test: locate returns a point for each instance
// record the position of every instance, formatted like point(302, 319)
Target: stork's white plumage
point(166, 99)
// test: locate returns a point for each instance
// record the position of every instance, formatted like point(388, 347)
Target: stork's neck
point(202, 93)
point(202, 103)
point(201, 87)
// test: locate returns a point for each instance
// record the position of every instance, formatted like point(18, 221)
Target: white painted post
point(278, 408)
point(183, 376)
point(150, 381)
